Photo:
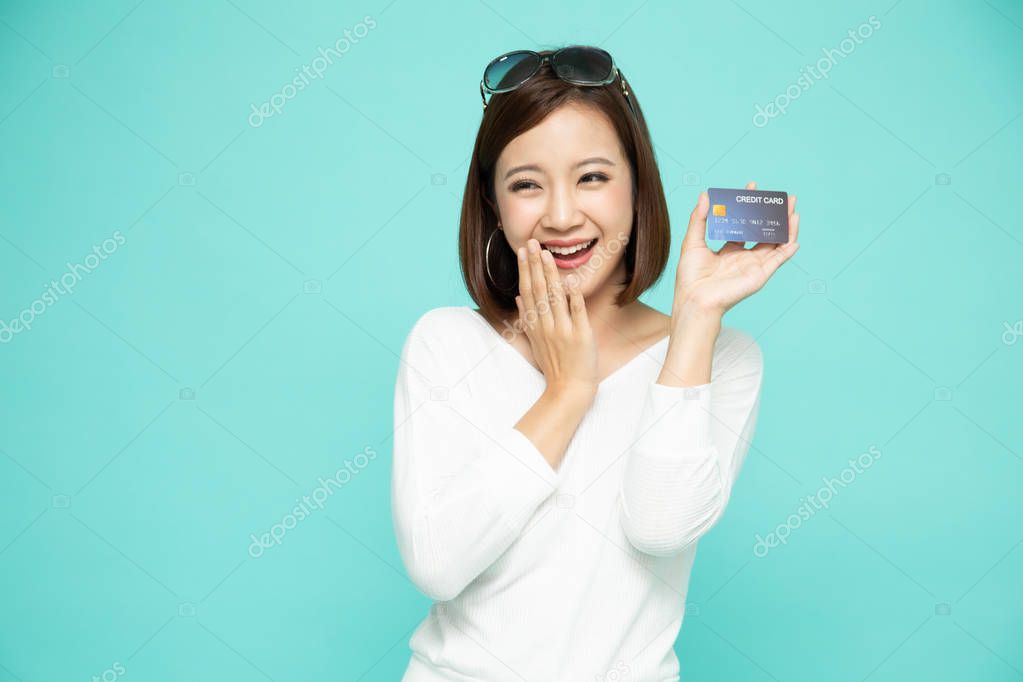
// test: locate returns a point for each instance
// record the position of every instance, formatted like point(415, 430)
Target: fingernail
point(534, 245)
point(522, 253)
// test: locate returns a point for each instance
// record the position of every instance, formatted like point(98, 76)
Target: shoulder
point(439, 331)
point(441, 321)
point(733, 345)
point(735, 350)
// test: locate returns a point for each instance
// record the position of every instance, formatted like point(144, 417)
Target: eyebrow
point(534, 167)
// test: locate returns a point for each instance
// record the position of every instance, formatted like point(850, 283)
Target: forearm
point(691, 347)
point(692, 438)
point(553, 419)
point(451, 536)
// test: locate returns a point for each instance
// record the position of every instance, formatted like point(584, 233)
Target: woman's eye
point(587, 179)
point(522, 184)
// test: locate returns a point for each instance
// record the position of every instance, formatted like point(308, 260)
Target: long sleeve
point(690, 444)
point(464, 484)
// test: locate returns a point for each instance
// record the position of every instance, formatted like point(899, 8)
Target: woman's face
point(567, 181)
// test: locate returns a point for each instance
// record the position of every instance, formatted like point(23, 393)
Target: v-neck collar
point(606, 380)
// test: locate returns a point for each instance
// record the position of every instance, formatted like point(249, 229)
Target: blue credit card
point(748, 215)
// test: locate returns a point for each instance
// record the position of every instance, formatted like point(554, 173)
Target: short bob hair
point(507, 116)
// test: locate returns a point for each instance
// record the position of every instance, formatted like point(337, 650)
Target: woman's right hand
point(557, 327)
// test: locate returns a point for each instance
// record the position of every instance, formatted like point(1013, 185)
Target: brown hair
point(512, 113)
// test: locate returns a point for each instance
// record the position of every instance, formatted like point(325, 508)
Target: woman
point(559, 451)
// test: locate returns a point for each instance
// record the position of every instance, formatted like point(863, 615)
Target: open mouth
point(568, 251)
point(570, 258)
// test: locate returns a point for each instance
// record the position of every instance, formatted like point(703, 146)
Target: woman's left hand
point(716, 281)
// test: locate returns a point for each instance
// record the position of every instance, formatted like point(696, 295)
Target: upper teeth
point(568, 250)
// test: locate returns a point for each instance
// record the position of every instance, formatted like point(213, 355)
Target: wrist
point(690, 352)
point(697, 315)
point(580, 393)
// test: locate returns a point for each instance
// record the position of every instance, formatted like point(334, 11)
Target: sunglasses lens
point(583, 64)
point(508, 71)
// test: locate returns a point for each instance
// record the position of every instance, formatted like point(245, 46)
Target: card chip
point(719, 209)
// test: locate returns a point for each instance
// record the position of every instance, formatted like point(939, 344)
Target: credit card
point(748, 215)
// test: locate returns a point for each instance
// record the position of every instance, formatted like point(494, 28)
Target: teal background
point(244, 339)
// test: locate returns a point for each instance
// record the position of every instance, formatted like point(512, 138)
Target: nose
point(563, 211)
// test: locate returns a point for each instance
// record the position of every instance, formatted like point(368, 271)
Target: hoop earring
point(486, 255)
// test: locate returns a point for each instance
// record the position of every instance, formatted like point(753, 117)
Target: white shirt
point(568, 575)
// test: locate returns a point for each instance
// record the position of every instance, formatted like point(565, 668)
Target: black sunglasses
point(576, 64)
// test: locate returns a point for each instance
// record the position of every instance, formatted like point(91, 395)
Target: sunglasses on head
point(576, 64)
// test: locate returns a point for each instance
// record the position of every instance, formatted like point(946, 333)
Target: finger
point(779, 255)
point(751, 185)
point(732, 247)
point(577, 304)
point(526, 290)
point(559, 306)
point(540, 295)
point(521, 305)
point(792, 204)
point(770, 252)
point(697, 230)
